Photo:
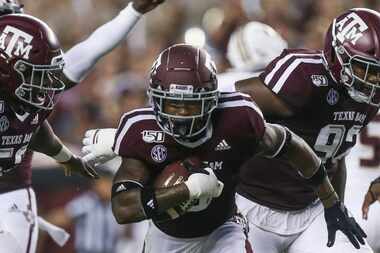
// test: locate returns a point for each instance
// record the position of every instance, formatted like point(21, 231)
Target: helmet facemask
point(361, 76)
point(199, 105)
point(41, 84)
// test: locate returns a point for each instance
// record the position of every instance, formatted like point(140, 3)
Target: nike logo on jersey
point(223, 145)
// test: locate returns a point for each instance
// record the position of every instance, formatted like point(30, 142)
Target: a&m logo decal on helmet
point(350, 28)
point(18, 44)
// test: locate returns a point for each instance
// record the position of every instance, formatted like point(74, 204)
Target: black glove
point(337, 219)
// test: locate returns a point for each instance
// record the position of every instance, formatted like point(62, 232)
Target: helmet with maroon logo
point(352, 53)
point(10, 7)
point(31, 62)
point(183, 90)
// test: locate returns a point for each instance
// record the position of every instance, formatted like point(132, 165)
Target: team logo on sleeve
point(151, 136)
point(159, 153)
point(2, 106)
point(4, 124)
point(319, 80)
point(332, 97)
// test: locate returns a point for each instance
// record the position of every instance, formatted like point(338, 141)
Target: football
point(176, 173)
point(173, 174)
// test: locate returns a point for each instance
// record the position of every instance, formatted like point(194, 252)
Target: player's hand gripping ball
point(178, 172)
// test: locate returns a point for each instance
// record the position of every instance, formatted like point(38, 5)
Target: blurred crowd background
point(118, 82)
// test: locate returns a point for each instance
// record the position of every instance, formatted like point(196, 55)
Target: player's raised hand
point(143, 6)
point(371, 196)
point(337, 218)
point(78, 166)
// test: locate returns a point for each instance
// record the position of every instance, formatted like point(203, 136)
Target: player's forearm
point(82, 57)
point(302, 157)
point(339, 178)
point(133, 207)
point(171, 196)
point(326, 193)
point(45, 141)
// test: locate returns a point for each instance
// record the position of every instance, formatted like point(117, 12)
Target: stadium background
point(118, 82)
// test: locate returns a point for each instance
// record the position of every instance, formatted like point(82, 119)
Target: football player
point(363, 167)
point(326, 97)
point(189, 117)
point(372, 195)
point(33, 71)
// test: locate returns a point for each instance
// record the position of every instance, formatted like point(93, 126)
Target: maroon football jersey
point(16, 132)
point(237, 126)
point(325, 116)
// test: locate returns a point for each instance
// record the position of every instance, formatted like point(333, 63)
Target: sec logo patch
point(159, 153)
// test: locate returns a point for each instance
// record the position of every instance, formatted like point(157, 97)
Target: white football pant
point(303, 231)
point(228, 238)
point(18, 226)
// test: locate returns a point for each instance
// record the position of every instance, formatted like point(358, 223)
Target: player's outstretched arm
point(80, 59)
point(340, 178)
point(281, 143)
point(133, 199)
point(46, 142)
point(371, 196)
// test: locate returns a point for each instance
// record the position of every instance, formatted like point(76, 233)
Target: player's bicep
point(269, 103)
point(128, 183)
point(272, 141)
point(132, 169)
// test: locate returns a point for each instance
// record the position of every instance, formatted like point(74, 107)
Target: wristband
point(63, 155)
point(149, 203)
point(125, 186)
point(131, 13)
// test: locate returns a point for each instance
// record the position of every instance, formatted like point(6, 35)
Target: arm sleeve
point(82, 57)
point(126, 138)
point(256, 120)
point(287, 76)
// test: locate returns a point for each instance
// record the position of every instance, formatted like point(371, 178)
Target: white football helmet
point(253, 46)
